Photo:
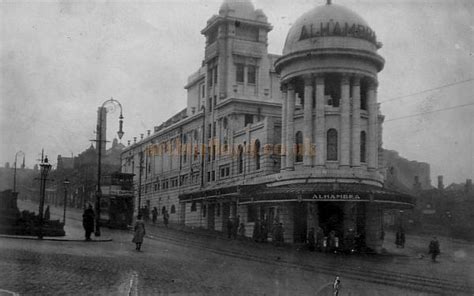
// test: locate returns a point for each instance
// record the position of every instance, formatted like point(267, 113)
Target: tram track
point(374, 275)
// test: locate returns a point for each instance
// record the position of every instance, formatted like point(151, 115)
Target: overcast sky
point(60, 60)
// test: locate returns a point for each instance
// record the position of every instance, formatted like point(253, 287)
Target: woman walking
point(139, 233)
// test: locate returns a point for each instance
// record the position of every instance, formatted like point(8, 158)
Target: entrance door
point(210, 216)
point(300, 224)
point(331, 217)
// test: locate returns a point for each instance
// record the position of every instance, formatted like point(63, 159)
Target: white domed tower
point(331, 127)
point(329, 76)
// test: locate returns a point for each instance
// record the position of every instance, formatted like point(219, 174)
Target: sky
point(60, 60)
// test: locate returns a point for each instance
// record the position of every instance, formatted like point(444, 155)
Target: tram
point(116, 203)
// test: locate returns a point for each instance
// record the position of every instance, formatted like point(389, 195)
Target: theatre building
point(293, 139)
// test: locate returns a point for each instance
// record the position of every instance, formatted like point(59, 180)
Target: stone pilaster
point(355, 158)
point(308, 119)
point(284, 123)
point(320, 137)
point(372, 127)
point(345, 122)
point(290, 135)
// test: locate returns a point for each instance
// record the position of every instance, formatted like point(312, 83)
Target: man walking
point(88, 221)
point(434, 248)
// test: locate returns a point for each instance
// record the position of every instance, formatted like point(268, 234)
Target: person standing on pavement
point(230, 227)
point(139, 233)
point(166, 218)
point(336, 286)
point(154, 214)
point(311, 240)
point(434, 248)
point(88, 221)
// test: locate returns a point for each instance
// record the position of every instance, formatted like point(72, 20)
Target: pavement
point(73, 232)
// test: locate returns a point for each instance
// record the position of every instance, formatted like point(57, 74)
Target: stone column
point(372, 127)
point(320, 137)
point(373, 227)
point(308, 119)
point(290, 135)
point(345, 122)
point(284, 123)
point(355, 159)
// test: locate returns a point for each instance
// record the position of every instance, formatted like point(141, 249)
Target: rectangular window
point(215, 75)
point(239, 73)
point(208, 176)
point(203, 91)
point(213, 152)
point(248, 119)
point(251, 74)
point(209, 104)
point(214, 129)
point(213, 175)
point(209, 130)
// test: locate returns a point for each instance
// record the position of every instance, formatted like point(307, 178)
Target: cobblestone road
point(32, 267)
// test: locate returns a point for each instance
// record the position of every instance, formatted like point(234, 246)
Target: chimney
point(440, 183)
point(128, 142)
point(468, 186)
point(134, 140)
point(148, 133)
point(141, 137)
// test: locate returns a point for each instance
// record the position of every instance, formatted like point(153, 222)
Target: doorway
point(210, 216)
point(331, 217)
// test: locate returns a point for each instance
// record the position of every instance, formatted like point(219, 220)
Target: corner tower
point(236, 51)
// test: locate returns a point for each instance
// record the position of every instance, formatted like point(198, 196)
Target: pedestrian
point(336, 286)
point(242, 230)
point(88, 221)
point(279, 234)
point(434, 249)
point(146, 213)
point(47, 214)
point(402, 239)
point(230, 227)
point(256, 231)
point(398, 239)
point(139, 232)
point(311, 240)
point(154, 214)
point(235, 226)
point(166, 218)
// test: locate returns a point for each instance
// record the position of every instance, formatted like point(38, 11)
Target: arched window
point(204, 210)
point(362, 147)
point(241, 159)
point(299, 147)
point(163, 210)
point(218, 209)
point(331, 144)
point(257, 154)
point(173, 209)
point(193, 207)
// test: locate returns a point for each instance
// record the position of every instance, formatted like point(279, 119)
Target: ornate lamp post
point(45, 168)
point(100, 140)
point(65, 185)
point(14, 171)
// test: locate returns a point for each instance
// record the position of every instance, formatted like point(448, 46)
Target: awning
point(334, 192)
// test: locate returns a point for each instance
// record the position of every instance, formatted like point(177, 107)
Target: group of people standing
point(235, 227)
point(262, 229)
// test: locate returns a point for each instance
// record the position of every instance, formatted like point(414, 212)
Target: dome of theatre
point(330, 26)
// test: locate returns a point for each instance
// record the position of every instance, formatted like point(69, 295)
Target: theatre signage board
point(338, 196)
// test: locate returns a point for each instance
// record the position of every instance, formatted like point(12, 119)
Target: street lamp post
point(99, 154)
point(14, 171)
point(65, 184)
point(45, 168)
